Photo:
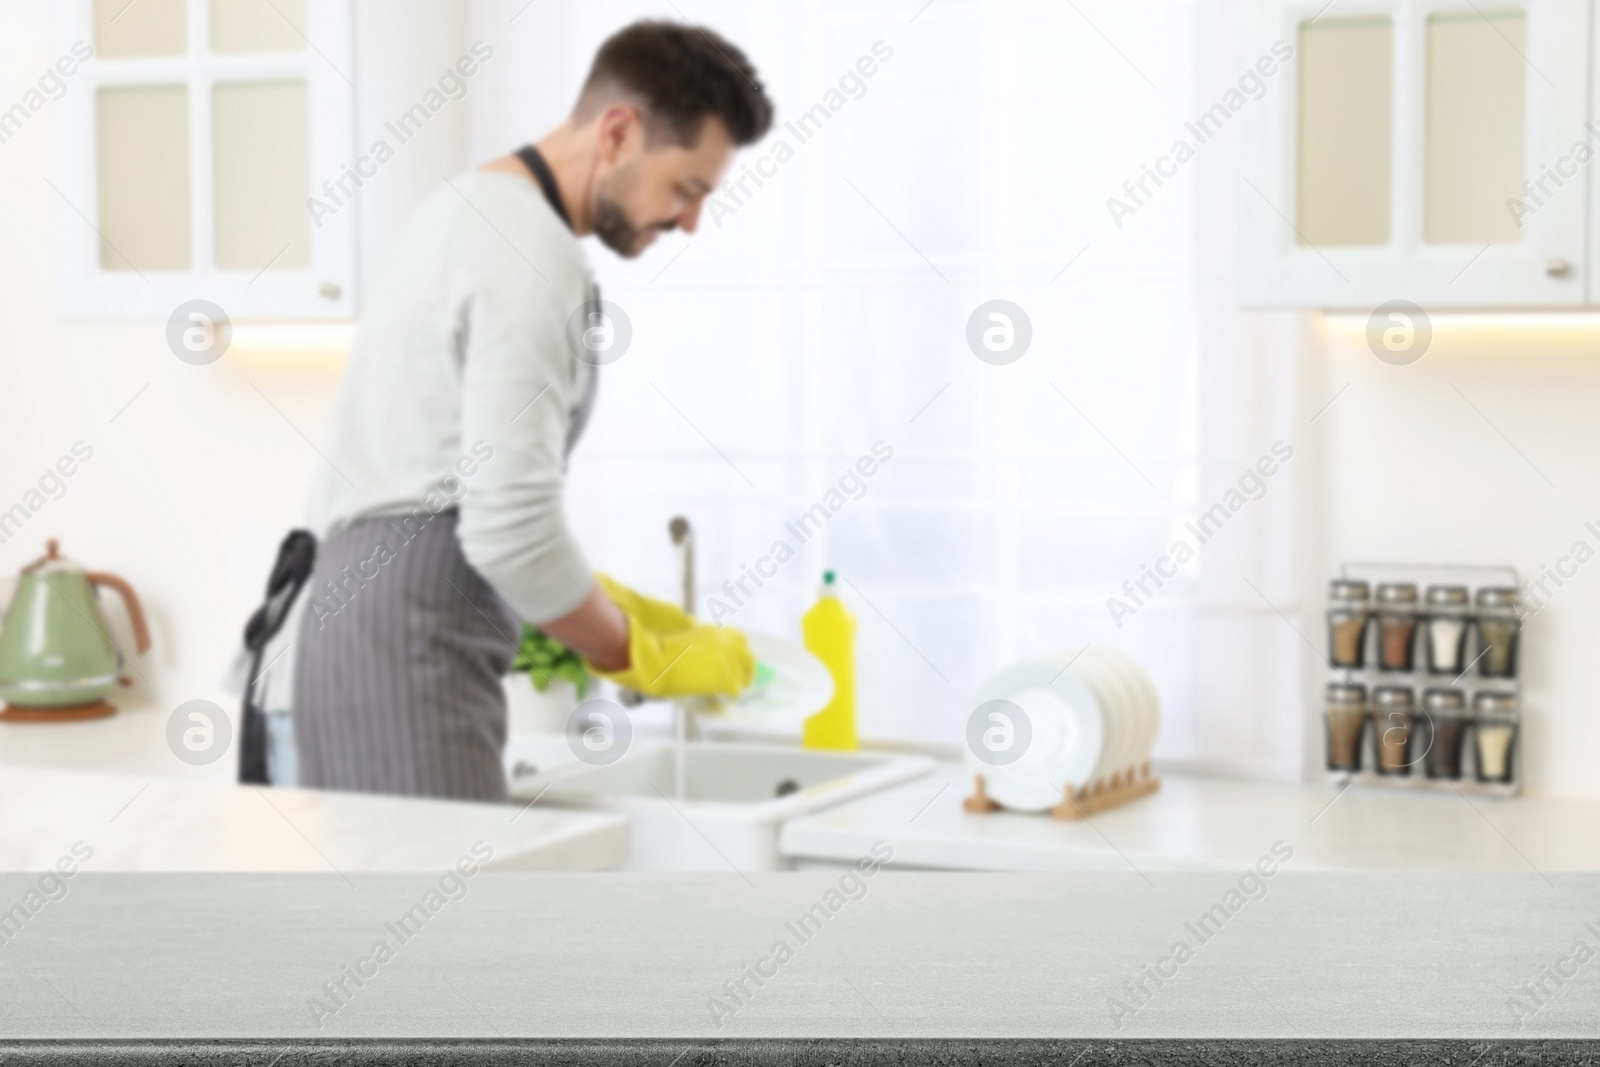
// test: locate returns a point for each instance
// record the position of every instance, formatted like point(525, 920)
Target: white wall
point(1410, 472)
point(192, 485)
point(530, 85)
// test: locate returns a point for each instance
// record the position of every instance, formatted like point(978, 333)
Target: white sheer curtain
point(827, 311)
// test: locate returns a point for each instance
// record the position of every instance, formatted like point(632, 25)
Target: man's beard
point(618, 232)
point(614, 228)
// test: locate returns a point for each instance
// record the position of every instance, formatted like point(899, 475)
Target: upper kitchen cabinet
point(187, 150)
point(1434, 151)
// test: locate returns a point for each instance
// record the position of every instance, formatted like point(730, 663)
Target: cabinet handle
point(1557, 268)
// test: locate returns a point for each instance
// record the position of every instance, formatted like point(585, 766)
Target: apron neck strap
point(534, 161)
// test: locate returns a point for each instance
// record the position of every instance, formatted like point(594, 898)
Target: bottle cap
point(1397, 593)
point(1494, 703)
point(827, 577)
point(1393, 696)
point(1445, 701)
point(1346, 590)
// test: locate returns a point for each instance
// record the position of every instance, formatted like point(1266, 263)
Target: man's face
point(644, 189)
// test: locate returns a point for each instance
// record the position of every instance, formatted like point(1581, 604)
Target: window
point(188, 150)
point(826, 308)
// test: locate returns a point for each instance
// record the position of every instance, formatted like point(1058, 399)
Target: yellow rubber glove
point(672, 655)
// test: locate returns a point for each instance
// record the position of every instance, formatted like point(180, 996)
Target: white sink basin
point(735, 798)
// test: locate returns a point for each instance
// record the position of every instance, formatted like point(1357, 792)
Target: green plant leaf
point(545, 659)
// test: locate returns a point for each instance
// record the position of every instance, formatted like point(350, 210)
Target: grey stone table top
point(495, 966)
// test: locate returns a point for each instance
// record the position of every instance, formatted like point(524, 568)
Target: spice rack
point(1419, 727)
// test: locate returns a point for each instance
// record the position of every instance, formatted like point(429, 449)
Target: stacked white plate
point(1090, 714)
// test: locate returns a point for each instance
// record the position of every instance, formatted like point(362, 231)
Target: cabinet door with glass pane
point(188, 150)
point(1429, 151)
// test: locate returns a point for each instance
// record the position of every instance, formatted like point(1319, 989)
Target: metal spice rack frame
point(1420, 679)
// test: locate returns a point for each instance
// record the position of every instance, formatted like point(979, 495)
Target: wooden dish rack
point(1079, 803)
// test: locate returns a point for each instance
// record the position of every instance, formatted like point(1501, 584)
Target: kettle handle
point(141, 632)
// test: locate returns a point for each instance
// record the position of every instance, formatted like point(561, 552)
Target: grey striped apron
point(398, 664)
point(397, 676)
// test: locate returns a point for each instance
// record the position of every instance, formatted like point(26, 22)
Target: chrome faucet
point(684, 726)
point(683, 537)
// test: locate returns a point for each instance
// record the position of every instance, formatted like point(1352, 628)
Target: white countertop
point(1191, 824)
point(133, 741)
point(145, 823)
point(1211, 824)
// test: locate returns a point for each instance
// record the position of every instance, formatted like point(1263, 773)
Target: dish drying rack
point(1079, 802)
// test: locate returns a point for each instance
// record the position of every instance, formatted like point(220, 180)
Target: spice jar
point(1498, 627)
point(1349, 607)
point(1397, 625)
point(1495, 730)
point(1393, 715)
point(1347, 722)
point(1446, 710)
point(1447, 628)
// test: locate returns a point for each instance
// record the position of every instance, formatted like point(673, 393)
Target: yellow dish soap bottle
point(830, 634)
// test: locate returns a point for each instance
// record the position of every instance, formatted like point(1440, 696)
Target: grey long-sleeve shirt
point(462, 388)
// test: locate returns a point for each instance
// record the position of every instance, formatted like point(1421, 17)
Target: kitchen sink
point(735, 796)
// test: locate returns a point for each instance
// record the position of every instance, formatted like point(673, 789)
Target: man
point(440, 504)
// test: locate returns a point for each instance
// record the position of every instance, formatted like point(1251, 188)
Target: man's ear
point(621, 133)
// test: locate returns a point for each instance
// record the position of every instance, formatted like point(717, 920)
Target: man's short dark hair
point(679, 75)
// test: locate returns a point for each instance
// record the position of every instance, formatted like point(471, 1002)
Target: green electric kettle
point(56, 660)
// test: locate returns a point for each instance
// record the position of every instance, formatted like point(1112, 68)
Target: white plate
point(1152, 704)
point(1098, 673)
point(1067, 728)
point(1147, 722)
point(799, 688)
point(1132, 710)
point(1131, 703)
point(1149, 704)
point(1146, 704)
point(1145, 707)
